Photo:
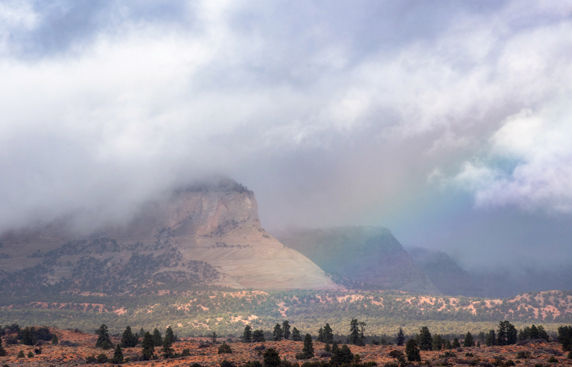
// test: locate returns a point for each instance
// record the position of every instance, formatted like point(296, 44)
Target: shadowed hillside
point(366, 257)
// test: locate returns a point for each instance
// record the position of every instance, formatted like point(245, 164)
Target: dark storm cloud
point(413, 115)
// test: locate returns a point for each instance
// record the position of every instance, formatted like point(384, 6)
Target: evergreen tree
point(2, 350)
point(507, 333)
point(29, 336)
point(542, 334)
point(213, 337)
point(296, 335)
point(456, 343)
point(286, 329)
point(148, 346)
point(271, 358)
point(308, 349)
point(448, 344)
point(328, 334)
point(320, 337)
point(533, 332)
point(412, 351)
point(278, 334)
point(341, 356)
point(141, 333)
point(55, 340)
point(354, 332)
point(437, 342)
point(491, 339)
point(247, 335)
point(128, 339)
point(425, 340)
point(469, 341)
point(117, 355)
point(565, 337)
point(103, 340)
point(168, 351)
point(157, 338)
point(258, 336)
point(400, 339)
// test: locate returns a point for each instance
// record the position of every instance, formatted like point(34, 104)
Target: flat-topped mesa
point(205, 234)
point(201, 209)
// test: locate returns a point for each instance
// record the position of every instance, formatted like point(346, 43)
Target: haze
point(447, 122)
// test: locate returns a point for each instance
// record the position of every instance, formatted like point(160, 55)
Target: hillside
point(226, 312)
point(203, 235)
point(367, 257)
point(444, 272)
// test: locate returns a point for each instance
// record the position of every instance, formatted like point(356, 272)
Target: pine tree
point(29, 336)
point(308, 349)
point(341, 356)
point(456, 343)
point(278, 334)
point(247, 335)
point(168, 351)
point(491, 339)
point(286, 329)
point(2, 350)
point(425, 340)
point(469, 341)
point(141, 333)
point(103, 340)
point(296, 335)
point(320, 337)
point(128, 339)
point(148, 346)
point(328, 334)
point(213, 337)
point(412, 351)
point(354, 332)
point(400, 339)
point(258, 336)
point(157, 338)
point(117, 355)
point(437, 343)
point(55, 340)
point(271, 358)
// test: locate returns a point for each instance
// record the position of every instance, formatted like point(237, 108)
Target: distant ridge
point(370, 256)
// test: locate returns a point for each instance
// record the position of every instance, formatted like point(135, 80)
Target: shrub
point(90, 359)
point(21, 354)
point(102, 358)
point(523, 355)
point(186, 352)
point(224, 348)
point(196, 365)
point(30, 354)
point(226, 363)
point(510, 362)
point(396, 354)
point(552, 359)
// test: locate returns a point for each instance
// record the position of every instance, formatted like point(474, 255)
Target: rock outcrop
point(207, 234)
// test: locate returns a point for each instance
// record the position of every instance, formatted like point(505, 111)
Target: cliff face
point(202, 235)
point(369, 256)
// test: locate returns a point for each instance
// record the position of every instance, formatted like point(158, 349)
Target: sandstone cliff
point(207, 234)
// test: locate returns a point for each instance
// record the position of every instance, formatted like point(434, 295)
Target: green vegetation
point(103, 340)
point(200, 312)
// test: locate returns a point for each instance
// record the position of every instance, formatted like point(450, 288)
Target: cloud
point(105, 104)
point(528, 164)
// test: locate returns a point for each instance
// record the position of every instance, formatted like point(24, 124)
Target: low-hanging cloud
point(105, 105)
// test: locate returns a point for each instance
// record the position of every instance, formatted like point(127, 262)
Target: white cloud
point(529, 163)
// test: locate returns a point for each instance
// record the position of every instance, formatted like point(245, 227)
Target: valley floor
point(59, 355)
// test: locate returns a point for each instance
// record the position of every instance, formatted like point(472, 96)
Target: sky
point(448, 122)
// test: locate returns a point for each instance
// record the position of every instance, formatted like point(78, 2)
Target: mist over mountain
point(368, 256)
